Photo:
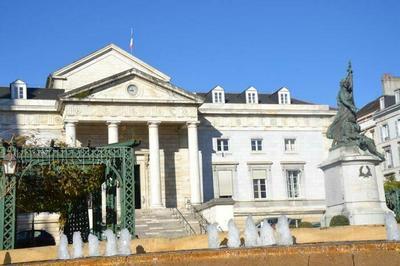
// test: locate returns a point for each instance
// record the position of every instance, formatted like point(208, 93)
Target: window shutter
point(259, 174)
point(225, 183)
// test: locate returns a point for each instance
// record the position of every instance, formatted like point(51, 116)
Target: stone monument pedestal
point(351, 186)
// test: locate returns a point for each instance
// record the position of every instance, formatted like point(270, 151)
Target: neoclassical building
point(231, 154)
point(380, 120)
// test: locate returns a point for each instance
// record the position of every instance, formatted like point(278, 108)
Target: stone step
point(161, 223)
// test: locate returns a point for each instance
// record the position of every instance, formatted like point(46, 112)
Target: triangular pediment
point(132, 85)
point(103, 63)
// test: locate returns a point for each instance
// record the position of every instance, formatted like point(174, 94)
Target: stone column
point(112, 131)
point(154, 165)
point(113, 138)
point(194, 169)
point(103, 202)
point(70, 133)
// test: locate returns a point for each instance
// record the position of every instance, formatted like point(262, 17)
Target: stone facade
point(271, 124)
point(380, 120)
point(110, 96)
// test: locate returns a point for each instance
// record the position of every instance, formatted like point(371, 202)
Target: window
point(225, 183)
point(256, 144)
point(397, 96)
point(398, 149)
point(20, 92)
point(223, 176)
point(251, 97)
point(259, 187)
point(284, 96)
point(398, 127)
point(388, 157)
point(222, 145)
point(293, 183)
point(259, 173)
point(290, 145)
point(217, 97)
point(385, 132)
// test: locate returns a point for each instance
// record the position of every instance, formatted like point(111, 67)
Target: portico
point(162, 145)
point(141, 105)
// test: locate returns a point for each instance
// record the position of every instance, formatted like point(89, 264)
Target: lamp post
point(9, 164)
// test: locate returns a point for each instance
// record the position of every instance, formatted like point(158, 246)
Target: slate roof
point(53, 94)
point(374, 105)
point(34, 93)
point(263, 98)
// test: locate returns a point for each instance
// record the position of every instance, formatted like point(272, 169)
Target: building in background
point(231, 154)
point(380, 120)
point(261, 154)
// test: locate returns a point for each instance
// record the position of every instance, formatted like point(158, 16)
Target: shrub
point(339, 220)
point(305, 225)
point(391, 184)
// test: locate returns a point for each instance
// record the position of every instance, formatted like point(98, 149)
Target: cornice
point(263, 109)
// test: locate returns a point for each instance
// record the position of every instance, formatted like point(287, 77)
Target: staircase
point(164, 223)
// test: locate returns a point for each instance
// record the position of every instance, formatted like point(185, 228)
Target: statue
point(344, 130)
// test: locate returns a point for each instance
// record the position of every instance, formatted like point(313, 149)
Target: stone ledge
point(343, 234)
point(346, 253)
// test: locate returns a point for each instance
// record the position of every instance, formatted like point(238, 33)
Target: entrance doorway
point(138, 198)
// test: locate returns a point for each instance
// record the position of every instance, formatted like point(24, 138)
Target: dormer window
point(382, 103)
point(284, 96)
point(218, 95)
point(251, 95)
point(397, 96)
point(18, 90)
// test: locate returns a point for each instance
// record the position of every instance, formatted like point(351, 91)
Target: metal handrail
point(203, 222)
point(188, 228)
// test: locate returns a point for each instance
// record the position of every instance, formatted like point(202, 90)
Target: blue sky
point(304, 45)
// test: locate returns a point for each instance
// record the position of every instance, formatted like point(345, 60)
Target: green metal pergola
point(119, 160)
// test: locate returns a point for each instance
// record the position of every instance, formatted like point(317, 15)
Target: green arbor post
point(7, 205)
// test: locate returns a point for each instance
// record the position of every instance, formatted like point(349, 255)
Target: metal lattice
point(119, 160)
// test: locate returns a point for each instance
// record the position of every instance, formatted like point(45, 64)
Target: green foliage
point(391, 184)
point(305, 225)
point(58, 187)
point(339, 220)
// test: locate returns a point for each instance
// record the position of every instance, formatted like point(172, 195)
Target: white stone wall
point(220, 214)
point(390, 119)
point(40, 125)
point(312, 148)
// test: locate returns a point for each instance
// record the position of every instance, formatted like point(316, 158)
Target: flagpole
point(131, 42)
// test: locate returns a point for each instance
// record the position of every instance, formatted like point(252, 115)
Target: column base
point(157, 206)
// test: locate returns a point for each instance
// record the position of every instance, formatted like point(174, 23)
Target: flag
point(131, 41)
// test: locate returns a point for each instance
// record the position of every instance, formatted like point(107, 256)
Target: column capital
point(113, 122)
point(153, 123)
point(192, 123)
